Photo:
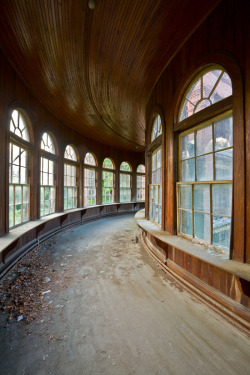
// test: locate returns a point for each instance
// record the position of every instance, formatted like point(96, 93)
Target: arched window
point(155, 187)
point(70, 178)
point(140, 183)
point(47, 176)
point(90, 172)
point(125, 182)
point(157, 128)
point(108, 190)
point(205, 165)
point(19, 188)
point(208, 88)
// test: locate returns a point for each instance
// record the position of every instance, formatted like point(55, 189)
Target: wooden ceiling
point(95, 69)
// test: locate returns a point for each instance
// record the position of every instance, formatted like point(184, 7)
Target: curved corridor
point(111, 310)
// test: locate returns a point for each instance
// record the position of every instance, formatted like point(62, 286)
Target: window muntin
point(47, 176)
point(90, 159)
point(157, 128)
point(140, 183)
point(47, 143)
point(205, 189)
point(125, 167)
point(210, 87)
point(107, 163)
point(19, 188)
point(70, 153)
point(155, 188)
point(90, 180)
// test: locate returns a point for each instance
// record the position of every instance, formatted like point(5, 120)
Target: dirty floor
point(92, 302)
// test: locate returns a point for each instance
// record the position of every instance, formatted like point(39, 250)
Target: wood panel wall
point(13, 92)
point(223, 38)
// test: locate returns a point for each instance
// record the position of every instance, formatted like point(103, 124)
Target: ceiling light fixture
point(91, 4)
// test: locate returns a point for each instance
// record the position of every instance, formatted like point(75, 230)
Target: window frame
point(138, 189)
point(109, 170)
point(54, 158)
point(94, 168)
point(129, 189)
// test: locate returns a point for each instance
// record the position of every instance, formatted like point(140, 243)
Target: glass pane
point(185, 196)
point(202, 198)
point(202, 104)
point(187, 110)
point(223, 133)
point(45, 165)
point(204, 142)
point(209, 80)
point(15, 174)
point(223, 89)
point(16, 158)
point(158, 159)
point(11, 217)
point(25, 194)
point(202, 226)
point(25, 212)
point(23, 158)
point(41, 194)
point(222, 199)
point(221, 231)
point(11, 194)
point(224, 165)
point(204, 165)
point(51, 179)
point(18, 195)
point(18, 214)
point(23, 179)
point(194, 94)
point(185, 222)
point(188, 170)
point(154, 162)
point(187, 146)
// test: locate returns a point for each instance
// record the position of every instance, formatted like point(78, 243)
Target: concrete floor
point(113, 311)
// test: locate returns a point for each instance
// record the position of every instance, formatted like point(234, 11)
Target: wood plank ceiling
point(95, 69)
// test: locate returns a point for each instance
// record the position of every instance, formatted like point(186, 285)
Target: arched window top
point(47, 143)
point(90, 159)
point(208, 88)
point(18, 125)
point(125, 167)
point(70, 153)
point(141, 168)
point(107, 163)
point(157, 128)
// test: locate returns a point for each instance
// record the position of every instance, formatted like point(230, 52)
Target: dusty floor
point(111, 310)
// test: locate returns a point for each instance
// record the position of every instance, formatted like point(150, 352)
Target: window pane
point(25, 194)
point(202, 226)
point(11, 192)
point(23, 177)
point(202, 198)
point(188, 170)
point(221, 231)
point(15, 174)
point(16, 158)
point(187, 146)
point(222, 199)
point(224, 165)
point(185, 219)
point(18, 195)
point(185, 196)
point(204, 165)
point(223, 133)
point(23, 158)
point(204, 142)
point(11, 216)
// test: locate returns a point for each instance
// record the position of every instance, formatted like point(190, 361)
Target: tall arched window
point(19, 188)
point(205, 163)
point(155, 187)
point(140, 183)
point(108, 190)
point(90, 172)
point(70, 178)
point(47, 176)
point(125, 182)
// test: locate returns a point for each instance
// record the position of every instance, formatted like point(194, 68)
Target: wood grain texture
point(95, 69)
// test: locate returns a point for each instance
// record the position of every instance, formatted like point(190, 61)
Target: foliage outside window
point(140, 183)
point(209, 88)
point(157, 128)
point(89, 180)
point(107, 182)
point(47, 176)
point(19, 189)
point(70, 179)
point(205, 187)
point(155, 188)
point(125, 182)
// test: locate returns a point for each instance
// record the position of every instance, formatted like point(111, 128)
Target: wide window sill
point(199, 251)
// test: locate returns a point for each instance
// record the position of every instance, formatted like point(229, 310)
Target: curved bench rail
point(28, 236)
point(221, 283)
